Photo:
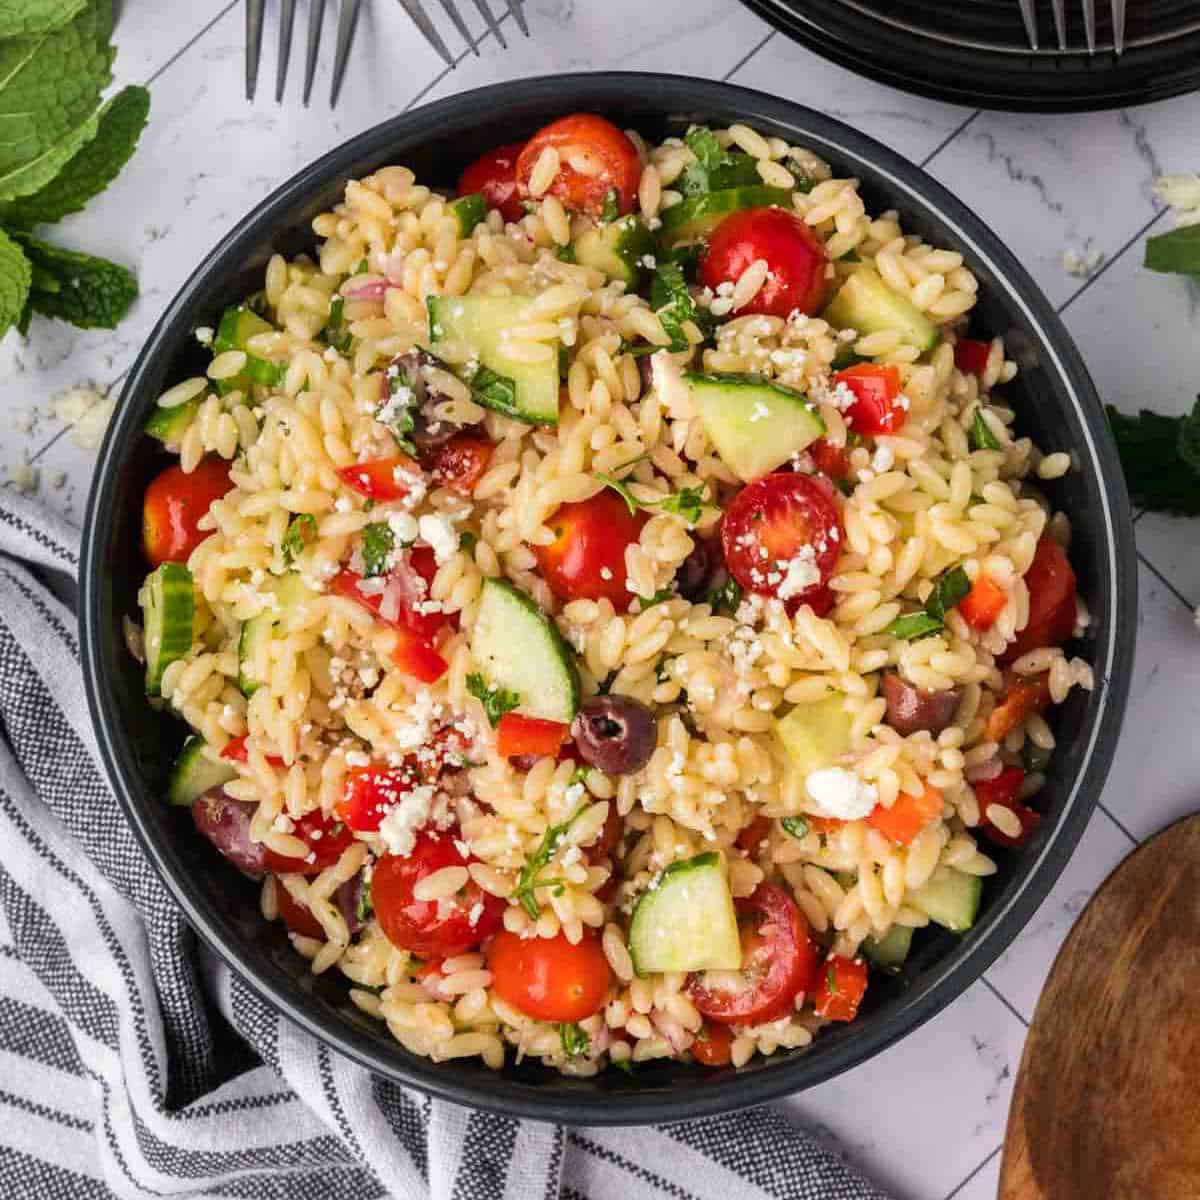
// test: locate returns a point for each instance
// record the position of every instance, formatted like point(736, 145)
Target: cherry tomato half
point(326, 838)
point(713, 1046)
point(779, 960)
point(586, 560)
point(782, 535)
point(370, 793)
point(971, 356)
point(432, 928)
point(595, 158)
point(549, 978)
point(1051, 584)
point(235, 750)
point(876, 408)
point(296, 916)
point(794, 256)
point(1002, 792)
point(381, 478)
point(460, 462)
point(841, 985)
point(174, 503)
point(495, 175)
point(829, 459)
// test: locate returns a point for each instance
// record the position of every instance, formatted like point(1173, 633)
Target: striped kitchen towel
point(133, 1063)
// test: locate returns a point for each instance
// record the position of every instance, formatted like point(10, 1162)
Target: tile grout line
point(1109, 814)
point(737, 66)
point(959, 128)
point(1012, 1008)
point(483, 37)
point(191, 42)
point(1108, 262)
point(975, 1172)
point(1188, 604)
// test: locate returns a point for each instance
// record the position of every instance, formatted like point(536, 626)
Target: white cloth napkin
point(133, 1063)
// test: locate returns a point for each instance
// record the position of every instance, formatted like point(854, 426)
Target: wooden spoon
point(1107, 1100)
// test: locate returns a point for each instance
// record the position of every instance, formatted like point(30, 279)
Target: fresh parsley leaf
point(671, 300)
point(688, 502)
point(715, 168)
point(1175, 253)
point(687, 257)
point(336, 332)
point(92, 293)
point(659, 597)
point(725, 599)
point(627, 347)
point(567, 253)
point(702, 142)
point(378, 542)
point(301, 529)
point(495, 391)
point(948, 590)
point(611, 209)
point(796, 826)
point(1161, 459)
point(467, 541)
point(365, 904)
point(93, 167)
point(981, 436)
point(397, 411)
point(913, 626)
point(496, 701)
point(530, 878)
point(361, 268)
point(16, 274)
point(575, 1040)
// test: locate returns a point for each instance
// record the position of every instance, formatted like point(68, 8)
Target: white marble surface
point(926, 1118)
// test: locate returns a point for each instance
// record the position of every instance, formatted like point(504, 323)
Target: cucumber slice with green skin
point(617, 250)
point(238, 325)
point(169, 425)
point(469, 210)
point(866, 304)
point(168, 613)
point(257, 631)
point(889, 952)
point(517, 647)
point(477, 325)
point(950, 898)
point(816, 735)
point(700, 215)
point(195, 773)
point(686, 921)
point(755, 425)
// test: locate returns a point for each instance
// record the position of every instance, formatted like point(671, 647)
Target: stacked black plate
point(976, 52)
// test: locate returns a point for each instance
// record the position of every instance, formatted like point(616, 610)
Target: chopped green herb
point(981, 436)
point(496, 701)
point(365, 906)
point(796, 826)
point(672, 301)
point(914, 626)
point(948, 590)
point(688, 502)
point(580, 775)
point(336, 333)
point(1161, 459)
point(397, 411)
point(362, 267)
point(495, 391)
point(378, 542)
point(300, 531)
point(627, 347)
point(567, 253)
point(623, 1064)
point(530, 878)
point(686, 256)
point(716, 168)
point(575, 1040)
point(727, 598)
point(612, 206)
point(467, 541)
point(659, 597)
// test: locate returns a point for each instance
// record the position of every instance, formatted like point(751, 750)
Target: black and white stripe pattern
point(108, 1086)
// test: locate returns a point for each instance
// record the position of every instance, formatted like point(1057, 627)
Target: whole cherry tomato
point(432, 928)
point(779, 960)
point(829, 459)
point(841, 985)
point(549, 978)
point(1051, 583)
point(781, 536)
point(595, 159)
point(173, 505)
point(713, 1046)
point(586, 560)
point(296, 916)
point(794, 256)
point(495, 175)
point(877, 407)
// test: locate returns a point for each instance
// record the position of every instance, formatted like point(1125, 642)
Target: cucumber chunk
point(256, 632)
point(865, 303)
point(950, 898)
point(700, 215)
point(474, 328)
point(238, 325)
point(816, 735)
point(195, 772)
point(755, 425)
point(616, 249)
point(686, 921)
point(517, 647)
point(889, 952)
point(469, 211)
point(169, 425)
point(169, 608)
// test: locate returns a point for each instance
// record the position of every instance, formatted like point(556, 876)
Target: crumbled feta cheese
point(57, 478)
point(23, 477)
point(885, 458)
point(800, 573)
point(1182, 193)
point(399, 827)
point(1081, 265)
point(837, 792)
point(440, 535)
point(87, 411)
point(403, 526)
point(649, 262)
point(204, 335)
point(760, 412)
point(22, 420)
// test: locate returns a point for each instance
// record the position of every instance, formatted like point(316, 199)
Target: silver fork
point(1029, 16)
point(347, 21)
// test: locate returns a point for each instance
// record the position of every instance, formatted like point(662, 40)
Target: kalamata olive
point(411, 369)
point(615, 734)
point(348, 898)
point(695, 574)
point(645, 372)
point(226, 823)
point(910, 708)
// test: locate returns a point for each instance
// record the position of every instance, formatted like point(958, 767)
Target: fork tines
point(1029, 17)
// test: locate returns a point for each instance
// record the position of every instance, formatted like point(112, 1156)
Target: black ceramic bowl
point(1057, 405)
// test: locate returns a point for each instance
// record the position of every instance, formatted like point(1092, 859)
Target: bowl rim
point(944, 980)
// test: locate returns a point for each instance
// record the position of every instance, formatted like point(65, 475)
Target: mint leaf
point(50, 85)
point(1161, 459)
point(688, 502)
point(16, 272)
point(1175, 253)
point(496, 701)
point(92, 293)
point(949, 589)
point(672, 301)
point(981, 436)
point(36, 16)
point(92, 169)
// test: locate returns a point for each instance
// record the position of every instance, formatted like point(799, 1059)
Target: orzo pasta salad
point(613, 607)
